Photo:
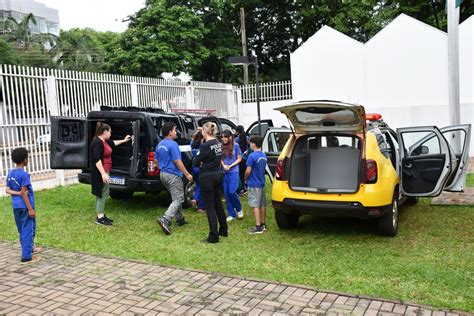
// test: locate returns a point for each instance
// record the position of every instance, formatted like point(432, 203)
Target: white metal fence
point(29, 96)
point(271, 91)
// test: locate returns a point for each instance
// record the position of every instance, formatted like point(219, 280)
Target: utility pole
point(244, 44)
point(453, 69)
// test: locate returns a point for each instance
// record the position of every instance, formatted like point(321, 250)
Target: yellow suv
point(337, 163)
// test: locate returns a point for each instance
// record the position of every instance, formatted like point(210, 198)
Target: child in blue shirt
point(23, 202)
point(231, 157)
point(255, 178)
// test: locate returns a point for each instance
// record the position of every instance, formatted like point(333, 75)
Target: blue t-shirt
point(166, 153)
point(16, 179)
point(230, 160)
point(258, 162)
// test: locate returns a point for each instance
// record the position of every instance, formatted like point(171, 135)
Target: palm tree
point(20, 33)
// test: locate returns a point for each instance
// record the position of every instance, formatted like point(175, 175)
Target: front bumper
point(329, 209)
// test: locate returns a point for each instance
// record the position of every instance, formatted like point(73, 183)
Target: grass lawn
point(431, 261)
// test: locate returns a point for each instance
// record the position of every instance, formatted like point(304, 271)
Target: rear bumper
point(131, 184)
point(329, 209)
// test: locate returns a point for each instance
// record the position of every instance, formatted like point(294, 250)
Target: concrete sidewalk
point(74, 283)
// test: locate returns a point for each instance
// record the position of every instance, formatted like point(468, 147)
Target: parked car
point(133, 168)
point(337, 165)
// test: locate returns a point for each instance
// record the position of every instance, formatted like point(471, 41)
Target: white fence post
point(190, 104)
point(134, 91)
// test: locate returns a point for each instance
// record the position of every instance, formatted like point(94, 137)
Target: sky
point(101, 15)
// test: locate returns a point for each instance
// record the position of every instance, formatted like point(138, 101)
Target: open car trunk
point(326, 163)
point(124, 158)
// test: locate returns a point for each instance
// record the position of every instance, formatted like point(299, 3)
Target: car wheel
point(388, 224)
point(286, 221)
point(120, 195)
point(189, 194)
point(411, 200)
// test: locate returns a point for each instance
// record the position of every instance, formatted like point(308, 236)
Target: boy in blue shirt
point(168, 155)
point(255, 178)
point(23, 202)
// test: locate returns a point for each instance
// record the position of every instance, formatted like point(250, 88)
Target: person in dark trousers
point(168, 155)
point(255, 176)
point(211, 178)
point(242, 141)
point(197, 201)
point(23, 202)
point(101, 164)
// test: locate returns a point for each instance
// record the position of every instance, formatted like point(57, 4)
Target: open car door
point(273, 142)
point(135, 160)
point(69, 143)
point(459, 138)
point(253, 128)
point(424, 171)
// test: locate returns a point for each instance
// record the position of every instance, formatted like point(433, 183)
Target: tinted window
point(277, 140)
point(159, 121)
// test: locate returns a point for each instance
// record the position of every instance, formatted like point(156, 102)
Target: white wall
point(325, 63)
point(249, 111)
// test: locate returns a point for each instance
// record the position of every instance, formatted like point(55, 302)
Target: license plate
point(117, 180)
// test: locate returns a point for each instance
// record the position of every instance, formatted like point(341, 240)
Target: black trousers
point(211, 186)
point(242, 168)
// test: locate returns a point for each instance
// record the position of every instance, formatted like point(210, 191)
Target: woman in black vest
point(100, 165)
point(210, 178)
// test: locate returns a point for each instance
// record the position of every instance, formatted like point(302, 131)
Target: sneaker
point(201, 210)
point(103, 221)
point(240, 215)
point(109, 219)
point(181, 222)
point(163, 222)
point(31, 260)
point(230, 218)
point(263, 227)
point(255, 230)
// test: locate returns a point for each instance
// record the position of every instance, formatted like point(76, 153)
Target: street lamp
point(247, 60)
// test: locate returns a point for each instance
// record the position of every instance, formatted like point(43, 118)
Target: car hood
point(325, 116)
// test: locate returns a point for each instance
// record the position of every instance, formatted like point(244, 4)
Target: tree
point(160, 39)
point(20, 33)
point(7, 54)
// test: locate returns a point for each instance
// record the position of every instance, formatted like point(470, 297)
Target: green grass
point(470, 180)
point(431, 261)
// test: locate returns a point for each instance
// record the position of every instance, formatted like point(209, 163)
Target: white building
point(47, 18)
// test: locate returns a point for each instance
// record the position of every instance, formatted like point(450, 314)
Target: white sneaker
point(240, 215)
point(230, 218)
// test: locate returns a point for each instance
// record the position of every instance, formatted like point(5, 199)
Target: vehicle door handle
point(408, 165)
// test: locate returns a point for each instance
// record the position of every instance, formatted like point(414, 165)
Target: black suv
point(133, 168)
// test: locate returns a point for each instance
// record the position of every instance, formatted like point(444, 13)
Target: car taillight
point(371, 171)
point(280, 169)
point(152, 168)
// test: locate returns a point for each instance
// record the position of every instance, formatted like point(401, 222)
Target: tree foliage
point(160, 39)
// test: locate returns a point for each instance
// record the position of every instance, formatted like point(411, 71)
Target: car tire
point(411, 200)
point(286, 221)
point(120, 194)
point(388, 224)
point(188, 194)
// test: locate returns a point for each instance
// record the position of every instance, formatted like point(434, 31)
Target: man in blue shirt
point(171, 167)
point(255, 177)
point(23, 202)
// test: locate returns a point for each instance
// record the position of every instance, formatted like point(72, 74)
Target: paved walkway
point(74, 283)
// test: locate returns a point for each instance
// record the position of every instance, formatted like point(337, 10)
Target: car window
point(265, 126)
point(160, 120)
point(277, 140)
point(227, 126)
point(421, 143)
point(188, 124)
point(325, 141)
point(384, 146)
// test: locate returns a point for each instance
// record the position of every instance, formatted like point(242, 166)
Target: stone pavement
point(75, 283)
